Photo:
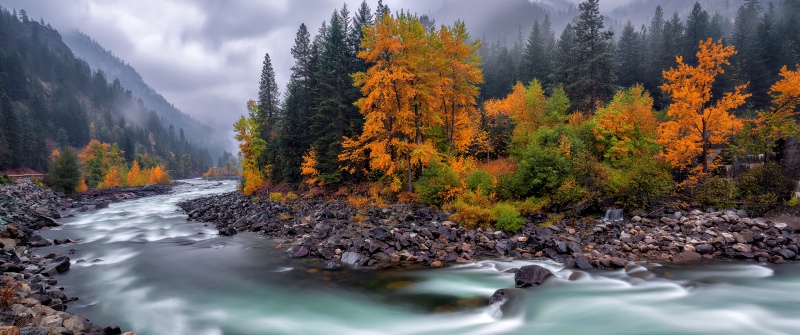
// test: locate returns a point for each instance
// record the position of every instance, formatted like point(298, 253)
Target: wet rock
point(686, 257)
point(531, 275)
point(354, 258)
point(112, 329)
point(582, 263)
point(297, 251)
point(501, 296)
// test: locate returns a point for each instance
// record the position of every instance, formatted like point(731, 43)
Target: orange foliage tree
point(111, 179)
point(157, 175)
point(250, 147)
point(697, 121)
point(530, 109)
point(414, 75)
point(98, 159)
point(780, 121)
point(134, 177)
point(626, 127)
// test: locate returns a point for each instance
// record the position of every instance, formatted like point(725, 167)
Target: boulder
point(354, 258)
point(111, 329)
point(297, 251)
point(531, 275)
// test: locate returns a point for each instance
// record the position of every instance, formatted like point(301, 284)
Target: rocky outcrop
point(30, 300)
point(410, 234)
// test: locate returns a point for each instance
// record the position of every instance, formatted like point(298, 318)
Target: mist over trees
point(49, 99)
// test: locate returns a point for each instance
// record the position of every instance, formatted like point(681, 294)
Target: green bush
point(480, 181)
point(568, 193)
point(643, 180)
point(717, 192)
point(433, 186)
point(4, 179)
point(471, 216)
point(508, 217)
point(65, 172)
point(762, 188)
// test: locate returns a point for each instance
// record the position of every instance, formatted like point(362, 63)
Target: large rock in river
point(531, 275)
point(354, 258)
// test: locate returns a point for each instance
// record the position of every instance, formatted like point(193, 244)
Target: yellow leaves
point(157, 175)
point(626, 127)
point(696, 122)
point(308, 167)
point(419, 83)
point(111, 179)
point(250, 147)
point(134, 176)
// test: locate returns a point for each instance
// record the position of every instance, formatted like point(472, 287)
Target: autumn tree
point(699, 120)
point(626, 127)
point(65, 174)
point(98, 158)
point(780, 121)
point(250, 147)
point(414, 73)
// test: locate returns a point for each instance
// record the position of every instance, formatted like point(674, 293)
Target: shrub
point(643, 180)
point(761, 188)
point(793, 202)
point(358, 201)
point(717, 192)
point(276, 196)
point(4, 179)
point(568, 193)
point(290, 197)
point(508, 217)
point(533, 205)
point(470, 216)
point(480, 181)
point(65, 175)
point(436, 185)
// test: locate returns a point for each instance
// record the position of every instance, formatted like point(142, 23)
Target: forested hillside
point(101, 59)
point(414, 111)
point(49, 99)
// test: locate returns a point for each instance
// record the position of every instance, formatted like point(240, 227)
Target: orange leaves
point(134, 176)
point(419, 83)
point(157, 175)
point(307, 168)
point(111, 179)
point(626, 127)
point(250, 147)
point(697, 123)
point(787, 91)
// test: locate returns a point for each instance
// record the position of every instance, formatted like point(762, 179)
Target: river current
point(141, 265)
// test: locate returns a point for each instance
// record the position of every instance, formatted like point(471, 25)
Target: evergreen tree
point(697, 29)
point(594, 66)
point(629, 57)
point(538, 55)
point(65, 172)
point(565, 56)
point(335, 115)
point(266, 114)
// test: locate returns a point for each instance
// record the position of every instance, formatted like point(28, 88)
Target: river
point(141, 265)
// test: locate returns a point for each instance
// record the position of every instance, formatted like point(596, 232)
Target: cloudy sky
point(204, 56)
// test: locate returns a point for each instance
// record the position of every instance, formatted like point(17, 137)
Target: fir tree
point(594, 65)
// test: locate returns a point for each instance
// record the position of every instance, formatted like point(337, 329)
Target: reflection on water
point(143, 266)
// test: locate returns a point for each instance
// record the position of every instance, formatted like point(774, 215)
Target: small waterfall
point(613, 215)
point(797, 190)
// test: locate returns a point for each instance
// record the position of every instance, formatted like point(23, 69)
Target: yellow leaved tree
point(250, 147)
point(419, 82)
point(697, 120)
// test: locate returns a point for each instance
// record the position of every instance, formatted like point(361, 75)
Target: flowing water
point(150, 271)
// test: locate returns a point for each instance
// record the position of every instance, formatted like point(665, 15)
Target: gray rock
point(530, 275)
point(354, 258)
point(297, 251)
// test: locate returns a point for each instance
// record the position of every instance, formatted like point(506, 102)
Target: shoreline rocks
point(31, 302)
point(413, 235)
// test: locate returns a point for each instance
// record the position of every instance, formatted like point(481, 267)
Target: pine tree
point(594, 66)
point(697, 29)
point(629, 58)
point(267, 114)
point(65, 172)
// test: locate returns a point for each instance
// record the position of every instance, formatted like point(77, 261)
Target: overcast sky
point(204, 56)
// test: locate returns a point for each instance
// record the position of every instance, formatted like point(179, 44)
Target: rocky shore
point(30, 300)
point(408, 235)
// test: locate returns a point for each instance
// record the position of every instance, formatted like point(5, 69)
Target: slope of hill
point(100, 59)
point(50, 99)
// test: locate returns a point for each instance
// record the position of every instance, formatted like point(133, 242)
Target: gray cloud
point(204, 56)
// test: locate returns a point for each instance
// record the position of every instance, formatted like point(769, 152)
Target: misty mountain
point(503, 20)
point(640, 12)
point(104, 60)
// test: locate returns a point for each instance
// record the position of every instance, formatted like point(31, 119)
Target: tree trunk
point(409, 184)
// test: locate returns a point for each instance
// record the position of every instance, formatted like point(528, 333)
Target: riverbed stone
point(297, 251)
point(531, 275)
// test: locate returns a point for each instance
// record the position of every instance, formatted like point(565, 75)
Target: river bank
point(30, 300)
point(412, 235)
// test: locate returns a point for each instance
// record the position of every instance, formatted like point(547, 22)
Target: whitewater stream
point(141, 265)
